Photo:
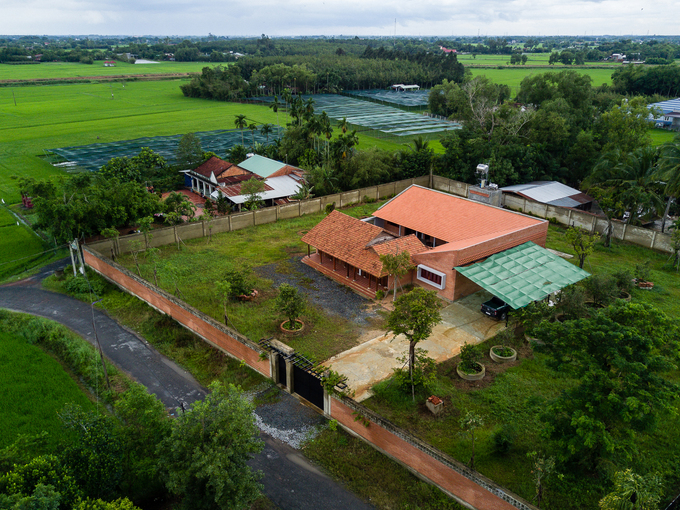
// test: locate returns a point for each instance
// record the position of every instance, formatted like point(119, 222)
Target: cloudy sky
point(335, 17)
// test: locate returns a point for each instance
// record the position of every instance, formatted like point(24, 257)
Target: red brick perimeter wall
point(461, 488)
point(194, 320)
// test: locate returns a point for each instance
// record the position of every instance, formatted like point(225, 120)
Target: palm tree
point(265, 130)
point(669, 172)
point(275, 108)
point(253, 128)
point(344, 126)
point(240, 123)
point(287, 97)
point(419, 144)
point(635, 176)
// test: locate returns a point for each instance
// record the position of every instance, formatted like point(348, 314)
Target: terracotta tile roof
point(349, 239)
point(215, 166)
point(234, 190)
point(409, 243)
point(450, 218)
point(287, 170)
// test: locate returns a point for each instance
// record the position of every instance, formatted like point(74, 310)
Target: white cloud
point(335, 17)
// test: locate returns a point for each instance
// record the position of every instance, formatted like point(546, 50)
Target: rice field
point(40, 389)
point(51, 70)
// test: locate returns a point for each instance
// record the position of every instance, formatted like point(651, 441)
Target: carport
point(523, 274)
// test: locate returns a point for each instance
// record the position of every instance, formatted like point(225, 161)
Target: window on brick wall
point(431, 276)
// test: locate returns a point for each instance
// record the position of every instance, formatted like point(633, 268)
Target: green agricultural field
point(534, 59)
point(514, 76)
point(39, 390)
point(20, 248)
point(47, 117)
point(49, 70)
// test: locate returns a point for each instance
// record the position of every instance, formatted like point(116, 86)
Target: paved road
point(290, 481)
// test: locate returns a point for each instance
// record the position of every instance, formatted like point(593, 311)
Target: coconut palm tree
point(344, 125)
point(240, 123)
point(635, 176)
point(669, 172)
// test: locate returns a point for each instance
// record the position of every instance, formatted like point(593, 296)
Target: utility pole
point(70, 249)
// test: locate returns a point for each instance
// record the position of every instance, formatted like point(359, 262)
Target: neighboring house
point(268, 168)
point(670, 114)
point(400, 87)
point(552, 193)
point(217, 177)
point(213, 174)
point(440, 232)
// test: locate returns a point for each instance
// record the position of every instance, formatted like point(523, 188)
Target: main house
point(439, 231)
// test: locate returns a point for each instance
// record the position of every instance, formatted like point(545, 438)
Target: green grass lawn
point(661, 136)
point(20, 248)
point(273, 243)
point(47, 117)
point(517, 396)
point(40, 387)
point(48, 70)
point(534, 59)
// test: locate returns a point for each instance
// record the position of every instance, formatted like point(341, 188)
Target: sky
point(335, 17)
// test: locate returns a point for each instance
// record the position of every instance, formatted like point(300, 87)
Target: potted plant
point(642, 275)
point(624, 281)
point(291, 303)
point(502, 352)
point(469, 367)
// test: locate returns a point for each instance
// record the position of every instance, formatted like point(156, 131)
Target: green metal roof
point(523, 274)
point(260, 165)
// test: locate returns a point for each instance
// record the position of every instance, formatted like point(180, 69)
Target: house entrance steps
point(373, 361)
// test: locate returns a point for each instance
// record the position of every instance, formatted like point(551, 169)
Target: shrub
point(329, 208)
point(601, 288)
point(643, 271)
point(379, 295)
point(424, 372)
point(239, 280)
point(624, 280)
point(504, 438)
point(368, 200)
point(291, 303)
point(572, 302)
point(469, 357)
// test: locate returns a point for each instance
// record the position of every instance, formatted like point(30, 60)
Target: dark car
point(496, 308)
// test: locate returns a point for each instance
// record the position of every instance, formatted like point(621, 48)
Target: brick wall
point(214, 333)
point(468, 487)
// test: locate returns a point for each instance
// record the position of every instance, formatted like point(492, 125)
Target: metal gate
point(308, 386)
point(281, 371)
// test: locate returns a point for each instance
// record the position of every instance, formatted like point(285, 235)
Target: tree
point(275, 108)
point(252, 127)
point(252, 189)
point(634, 492)
point(669, 169)
point(396, 265)
point(189, 151)
point(582, 242)
point(240, 123)
point(266, 130)
point(611, 206)
point(625, 127)
point(204, 460)
point(237, 154)
point(223, 292)
point(414, 316)
point(96, 456)
point(470, 423)
point(618, 356)
point(291, 303)
point(543, 469)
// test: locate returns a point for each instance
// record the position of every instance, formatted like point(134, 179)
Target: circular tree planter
point(625, 296)
point(472, 377)
point(502, 359)
point(292, 332)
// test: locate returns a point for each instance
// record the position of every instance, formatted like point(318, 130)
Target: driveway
point(376, 359)
point(290, 481)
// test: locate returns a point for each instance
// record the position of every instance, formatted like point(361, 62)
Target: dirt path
point(290, 481)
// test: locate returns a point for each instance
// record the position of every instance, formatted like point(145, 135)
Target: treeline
point(332, 73)
point(639, 80)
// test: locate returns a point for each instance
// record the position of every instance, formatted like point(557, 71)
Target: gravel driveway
point(334, 298)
